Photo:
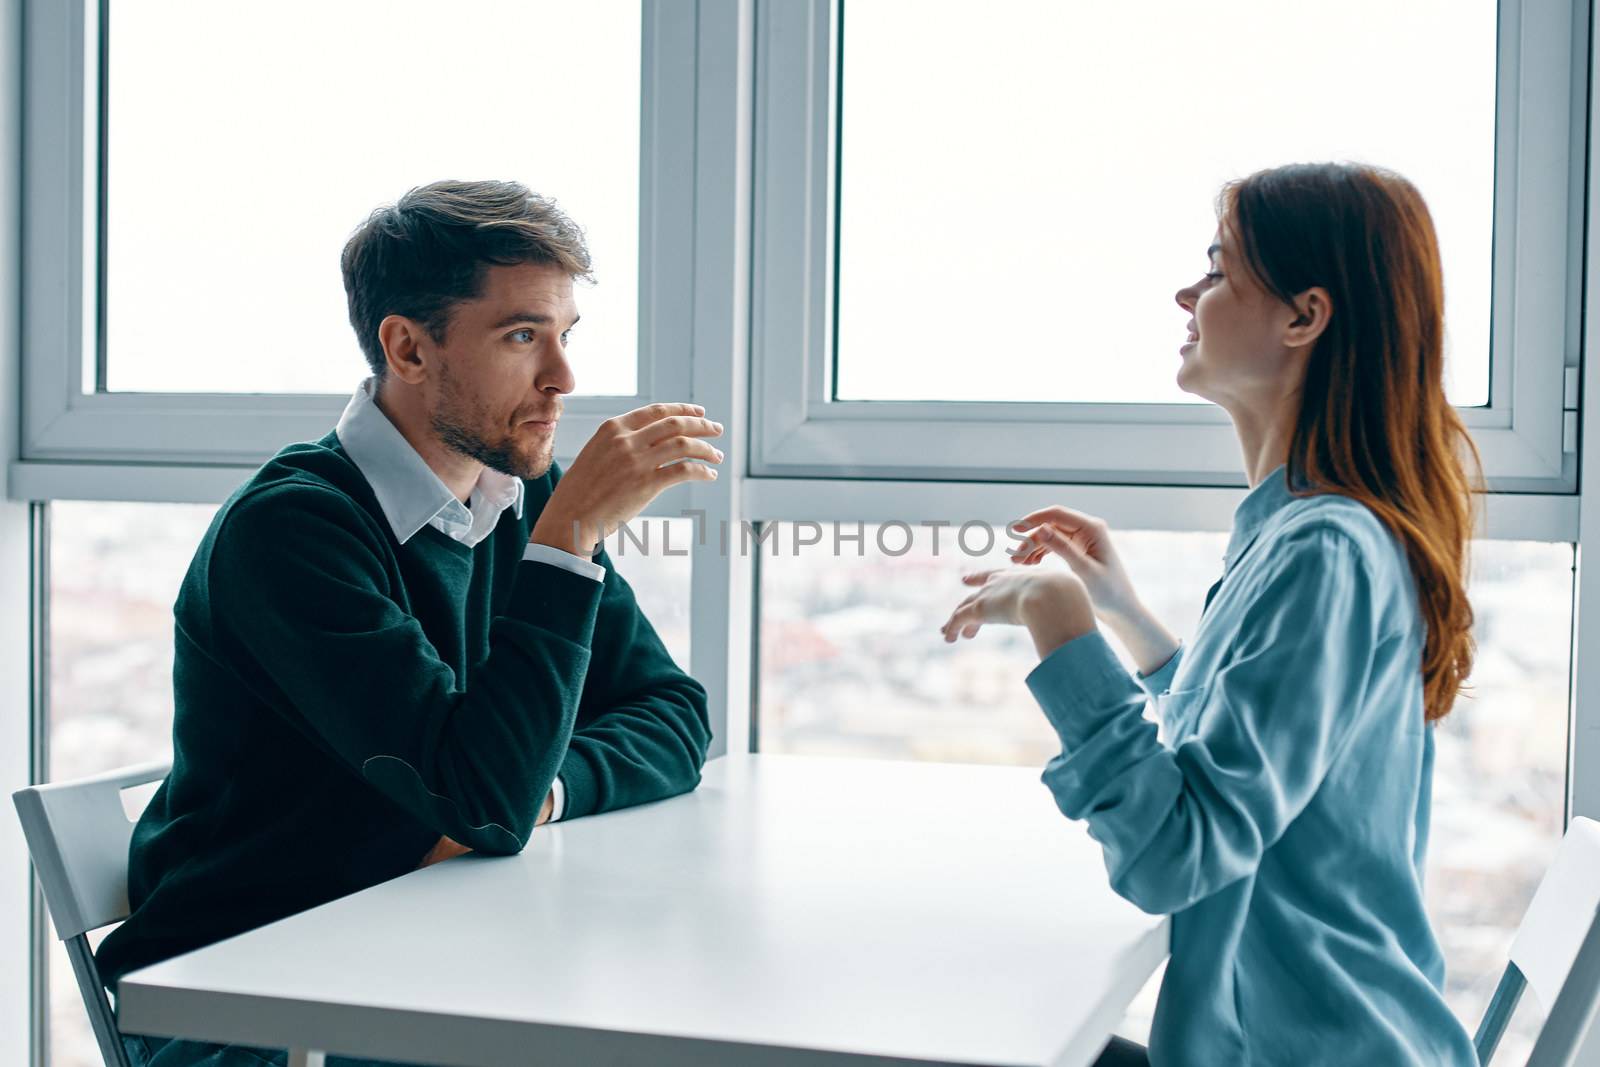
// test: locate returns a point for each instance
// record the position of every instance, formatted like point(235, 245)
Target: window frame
point(64, 424)
point(1527, 434)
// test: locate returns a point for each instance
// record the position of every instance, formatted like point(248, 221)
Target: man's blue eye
point(522, 336)
point(564, 338)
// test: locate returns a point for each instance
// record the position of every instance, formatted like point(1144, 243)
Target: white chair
point(78, 834)
point(1557, 952)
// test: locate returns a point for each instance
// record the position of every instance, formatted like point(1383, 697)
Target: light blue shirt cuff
point(558, 799)
point(1082, 685)
point(588, 568)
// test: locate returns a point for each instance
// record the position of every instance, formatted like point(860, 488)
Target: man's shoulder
point(305, 480)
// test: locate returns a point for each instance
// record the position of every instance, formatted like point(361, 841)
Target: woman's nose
point(1186, 298)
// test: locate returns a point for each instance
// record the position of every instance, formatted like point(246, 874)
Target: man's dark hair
point(427, 252)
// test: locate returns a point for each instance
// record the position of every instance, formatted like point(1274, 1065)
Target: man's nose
point(555, 372)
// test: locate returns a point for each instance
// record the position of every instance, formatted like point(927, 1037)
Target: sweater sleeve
point(1179, 823)
point(298, 578)
point(643, 727)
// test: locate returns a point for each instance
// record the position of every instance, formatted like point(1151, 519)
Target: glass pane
point(653, 555)
point(1027, 190)
point(852, 664)
point(115, 569)
point(246, 142)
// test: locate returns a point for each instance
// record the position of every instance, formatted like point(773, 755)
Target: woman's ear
point(1313, 309)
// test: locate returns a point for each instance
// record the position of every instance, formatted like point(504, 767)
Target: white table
point(790, 911)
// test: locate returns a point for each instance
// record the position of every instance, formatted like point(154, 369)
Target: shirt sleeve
point(1159, 680)
point(558, 799)
point(1179, 823)
point(588, 568)
point(643, 725)
point(298, 579)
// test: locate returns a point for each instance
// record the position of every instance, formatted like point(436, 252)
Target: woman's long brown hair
point(1374, 422)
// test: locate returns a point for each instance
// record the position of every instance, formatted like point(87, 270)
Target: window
point(185, 304)
point(1025, 191)
point(852, 663)
point(653, 555)
point(115, 569)
point(970, 230)
point(222, 244)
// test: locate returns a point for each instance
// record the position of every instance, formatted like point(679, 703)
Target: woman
point(1282, 818)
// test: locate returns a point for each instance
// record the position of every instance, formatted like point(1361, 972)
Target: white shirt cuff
point(558, 799)
point(588, 568)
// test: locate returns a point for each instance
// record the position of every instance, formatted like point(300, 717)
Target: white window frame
point(63, 424)
point(1527, 435)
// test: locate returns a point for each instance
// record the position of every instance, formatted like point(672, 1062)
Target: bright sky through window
point(1025, 185)
point(246, 141)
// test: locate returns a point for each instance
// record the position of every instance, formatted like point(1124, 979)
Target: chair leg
point(1493, 1026)
point(101, 1018)
point(299, 1057)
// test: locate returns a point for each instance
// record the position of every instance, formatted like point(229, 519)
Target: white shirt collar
point(409, 492)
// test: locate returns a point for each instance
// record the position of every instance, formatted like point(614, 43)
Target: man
point(402, 641)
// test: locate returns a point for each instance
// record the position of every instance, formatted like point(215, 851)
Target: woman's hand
point(1084, 541)
point(1054, 607)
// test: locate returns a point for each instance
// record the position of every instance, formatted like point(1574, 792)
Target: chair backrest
point(1567, 1038)
point(1563, 909)
point(78, 834)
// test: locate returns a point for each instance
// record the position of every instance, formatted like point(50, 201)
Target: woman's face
point(1236, 354)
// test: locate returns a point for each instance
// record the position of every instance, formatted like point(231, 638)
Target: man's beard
point(455, 425)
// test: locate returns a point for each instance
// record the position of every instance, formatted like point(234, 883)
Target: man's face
point(503, 369)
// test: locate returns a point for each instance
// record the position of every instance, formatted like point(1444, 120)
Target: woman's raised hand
point(1084, 541)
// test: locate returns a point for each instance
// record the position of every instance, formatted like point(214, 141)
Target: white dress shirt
point(413, 496)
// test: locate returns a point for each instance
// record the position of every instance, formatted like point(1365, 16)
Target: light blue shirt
point(1281, 815)
point(413, 496)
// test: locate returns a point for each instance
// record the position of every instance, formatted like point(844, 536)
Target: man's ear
point(1313, 310)
point(402, 340)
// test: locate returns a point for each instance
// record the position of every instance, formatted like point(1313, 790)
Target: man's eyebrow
point(537, 318)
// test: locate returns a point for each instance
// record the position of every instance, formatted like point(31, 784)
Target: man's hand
point(625, 465)
point(448, 849)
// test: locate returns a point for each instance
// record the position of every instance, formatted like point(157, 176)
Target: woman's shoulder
point(1334, 522)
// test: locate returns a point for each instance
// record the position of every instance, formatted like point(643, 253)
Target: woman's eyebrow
point(1212, 251)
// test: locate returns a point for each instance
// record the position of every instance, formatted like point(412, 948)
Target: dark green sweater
point(342, 700)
